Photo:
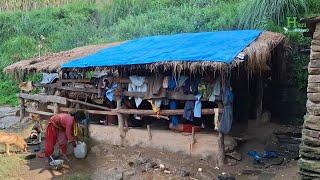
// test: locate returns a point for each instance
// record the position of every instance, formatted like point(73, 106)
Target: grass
point(9, 166)
point(67, 25)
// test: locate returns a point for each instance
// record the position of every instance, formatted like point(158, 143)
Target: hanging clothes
point(176, 82)
point(110, 92)
point(197, 106)
point(190, 86)
point(216, 90)
point(165, 83)
point(48, 78)
point(227, 114)
point(174, 119)
point(137, 85)
point(188, 110)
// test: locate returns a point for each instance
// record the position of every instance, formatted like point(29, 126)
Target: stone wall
point(309, 162)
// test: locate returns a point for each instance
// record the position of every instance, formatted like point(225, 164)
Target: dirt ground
point(115, 162)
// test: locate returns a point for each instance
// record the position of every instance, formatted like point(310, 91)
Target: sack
point(80, 151)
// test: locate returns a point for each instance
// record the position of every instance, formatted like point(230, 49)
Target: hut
point(309, 162)
point(195, 77)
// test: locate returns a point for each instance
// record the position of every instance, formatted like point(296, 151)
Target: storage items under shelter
point(191, 80)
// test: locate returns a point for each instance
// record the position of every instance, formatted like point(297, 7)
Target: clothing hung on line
point(197, 106)
point(48, 78)
point(227, 114)
point(110, 92)
point(216, 90)
point(188, 110)
point(137, 85)
point(176, 82)
point(174, 118)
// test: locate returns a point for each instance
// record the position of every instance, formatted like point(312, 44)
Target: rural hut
point(309, 150)
point(190, 82)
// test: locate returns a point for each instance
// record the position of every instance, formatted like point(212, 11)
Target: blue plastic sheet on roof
point(220, 46)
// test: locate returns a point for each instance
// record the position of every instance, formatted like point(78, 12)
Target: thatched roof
point(258, 53)
point(53, 61)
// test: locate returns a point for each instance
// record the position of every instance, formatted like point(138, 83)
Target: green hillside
point(67, 24)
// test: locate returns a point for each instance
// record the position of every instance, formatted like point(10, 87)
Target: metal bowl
point(56, 164)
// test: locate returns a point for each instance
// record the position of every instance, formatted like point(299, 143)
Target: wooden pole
point(22, 109)
point(149, 132)
point(120, 120)
point(221, 155)
point(56, 105)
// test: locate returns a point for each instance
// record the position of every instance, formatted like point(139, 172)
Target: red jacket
point(64, 122)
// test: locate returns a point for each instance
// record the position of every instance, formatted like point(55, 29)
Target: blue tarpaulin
point(220, 46)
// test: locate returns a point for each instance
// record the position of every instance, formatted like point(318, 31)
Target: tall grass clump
point(258, 12)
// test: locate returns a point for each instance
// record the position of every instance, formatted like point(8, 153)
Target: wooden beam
point(44, 98)
point(142, 112)
point(221, 155)
point(86, 90)
point(65, 109)
point(40, 112)
point(88, 104)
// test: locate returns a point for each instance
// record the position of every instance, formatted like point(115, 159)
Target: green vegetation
point(67, 25)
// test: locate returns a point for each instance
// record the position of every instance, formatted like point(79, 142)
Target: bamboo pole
point(149, 132)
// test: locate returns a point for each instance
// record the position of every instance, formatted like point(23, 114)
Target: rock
point(142, 160)
point(112, 174)
point(315, 48)
point(129, 173)
point(310, 152)
point(314, 55)
point(199, 169)
point(234, 155)
point(312, 122)
point(148, 166)
point(225, 177)
point(251, 171)
point(161, 166)
point(8, 121)
point(167, 172)
point(183, 172)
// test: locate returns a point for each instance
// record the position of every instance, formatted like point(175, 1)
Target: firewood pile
point(310, 148)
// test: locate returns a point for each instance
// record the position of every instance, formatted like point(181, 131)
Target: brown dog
point(12, 139)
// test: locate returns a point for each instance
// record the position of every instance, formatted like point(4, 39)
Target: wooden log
point(120, 121)
point(135, 111)
point(314, 55)
point(313, 87)
point(44, 98)
point(89, 111)
point(315, 48)
point(86, 90)
point(311, 133)
point(221, 151)
point(315, 42)
point(307, 175)
point(313, 108)
point(88, 104)
point(312, 142)
point(309, 165)
point(314, 97)
point(314, 71)
point(39, 112)
point(310, 152)
point(314, 79)
point(314, 64)
point(312, 122)
point(22, 109)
